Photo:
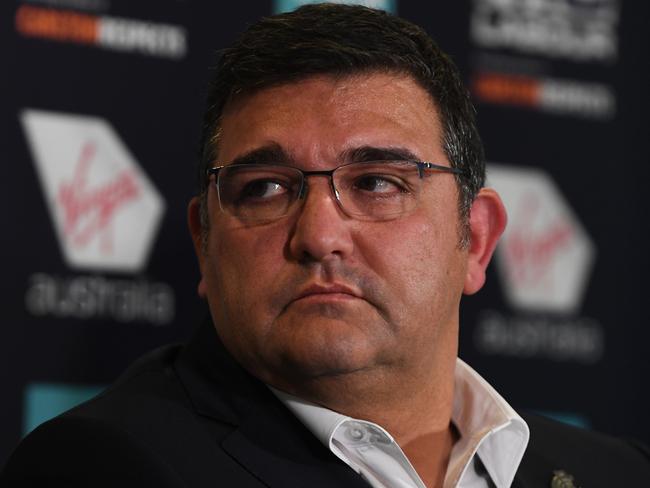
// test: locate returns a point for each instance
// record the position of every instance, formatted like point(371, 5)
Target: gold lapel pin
point(562, 479)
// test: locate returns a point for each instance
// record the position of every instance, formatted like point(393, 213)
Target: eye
point(377, 183)
point(262, 190)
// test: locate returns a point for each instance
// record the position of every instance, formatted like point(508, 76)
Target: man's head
point(319, 293)
point(339, 41)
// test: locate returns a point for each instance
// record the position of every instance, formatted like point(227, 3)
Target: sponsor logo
point(518, 40)
point(289, 5)
point(539, 336)
point(558, 96)
point(545, 255)
point(543, 260)
point(105, 210)
point(577, 30)
point(97, 297)
point(106, 32)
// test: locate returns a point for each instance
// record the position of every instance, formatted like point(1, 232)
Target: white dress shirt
point(492, 439)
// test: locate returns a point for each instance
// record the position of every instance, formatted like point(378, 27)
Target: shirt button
point(355, 433)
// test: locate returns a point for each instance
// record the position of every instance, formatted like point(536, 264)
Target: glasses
point(369, 190)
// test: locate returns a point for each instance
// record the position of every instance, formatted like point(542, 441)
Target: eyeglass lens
point(367, 190)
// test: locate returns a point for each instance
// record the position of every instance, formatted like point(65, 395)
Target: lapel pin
point(562, 479)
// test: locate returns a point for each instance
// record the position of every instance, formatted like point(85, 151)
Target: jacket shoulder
point(78, 451)
point(592, 458)
point(141, 431)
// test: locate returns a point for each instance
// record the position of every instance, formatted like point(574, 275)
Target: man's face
point(318, 292)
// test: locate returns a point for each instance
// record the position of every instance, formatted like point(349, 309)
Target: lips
point(335, 290)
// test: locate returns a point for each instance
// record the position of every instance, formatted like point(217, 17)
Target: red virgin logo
point(88, 212)
point(545, 255)
point(530, 252)
point(104, 208)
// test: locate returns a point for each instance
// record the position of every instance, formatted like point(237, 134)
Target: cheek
point(400, 248)
point(245, 262)
point(242, 270)
point(419, 261)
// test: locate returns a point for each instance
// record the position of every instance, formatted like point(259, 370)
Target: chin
point(329, 353)
point(320, 340)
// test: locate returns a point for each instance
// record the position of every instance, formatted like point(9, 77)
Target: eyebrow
point(268, 154)
point(273, 153)
point(372, 153)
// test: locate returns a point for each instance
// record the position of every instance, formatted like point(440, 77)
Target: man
point(340, 220)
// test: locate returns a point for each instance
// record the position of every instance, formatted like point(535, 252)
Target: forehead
point(323, 116)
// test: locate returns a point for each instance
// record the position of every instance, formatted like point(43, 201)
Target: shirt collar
point(321, 421)
point(488, 426)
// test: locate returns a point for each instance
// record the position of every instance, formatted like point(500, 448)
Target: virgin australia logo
point(545, 255)
point(104, 208)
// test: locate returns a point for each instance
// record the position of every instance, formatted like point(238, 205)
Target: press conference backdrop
point(101, 110)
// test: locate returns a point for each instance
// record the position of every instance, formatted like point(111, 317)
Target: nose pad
point(335, 192)
point(304, 190)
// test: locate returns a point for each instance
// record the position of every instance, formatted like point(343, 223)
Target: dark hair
point(341, 40)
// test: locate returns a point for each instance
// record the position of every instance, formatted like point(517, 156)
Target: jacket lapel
point(264, 437)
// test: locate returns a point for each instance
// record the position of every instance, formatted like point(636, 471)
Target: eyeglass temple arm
point(422, 165)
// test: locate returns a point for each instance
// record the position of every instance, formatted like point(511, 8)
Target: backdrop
point(101, 109)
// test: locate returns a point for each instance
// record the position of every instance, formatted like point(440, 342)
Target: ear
point(196, 232)
point(487, 221)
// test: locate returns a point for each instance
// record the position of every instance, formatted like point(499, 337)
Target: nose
point(321, 231)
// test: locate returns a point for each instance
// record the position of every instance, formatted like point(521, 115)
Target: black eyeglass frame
point(421, 165)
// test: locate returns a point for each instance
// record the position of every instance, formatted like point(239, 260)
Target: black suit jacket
point(192, 417)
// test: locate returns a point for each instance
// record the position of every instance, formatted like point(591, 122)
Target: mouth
point(327, 294)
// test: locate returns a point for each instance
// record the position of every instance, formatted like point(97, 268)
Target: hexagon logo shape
point(545, 255)
point(105, 210)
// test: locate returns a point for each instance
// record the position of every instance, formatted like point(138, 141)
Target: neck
point(412, 398)
point(409, 398)
point(408, 409)
point(430, 453)
point(416, 409)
